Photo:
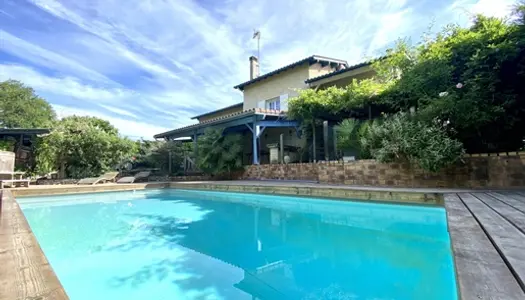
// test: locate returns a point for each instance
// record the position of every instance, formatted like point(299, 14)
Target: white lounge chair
point(107, 177)
point(14, 182)
point(131, 179)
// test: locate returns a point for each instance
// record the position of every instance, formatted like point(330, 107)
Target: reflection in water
point(205, 245)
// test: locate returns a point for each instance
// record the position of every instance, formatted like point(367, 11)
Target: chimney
point(254, 67)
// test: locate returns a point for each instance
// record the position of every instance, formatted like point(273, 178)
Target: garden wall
point(474, 172)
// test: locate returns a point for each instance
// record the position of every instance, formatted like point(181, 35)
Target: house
point(261, 117)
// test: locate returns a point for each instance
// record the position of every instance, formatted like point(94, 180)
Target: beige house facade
point(261, 117)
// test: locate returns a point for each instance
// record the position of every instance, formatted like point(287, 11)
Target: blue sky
point(148, 66)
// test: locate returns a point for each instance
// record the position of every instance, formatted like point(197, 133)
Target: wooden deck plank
point(511, 199)
point(480, 270)
point(520, 196)
point(507, 238)
point(25, 272)
point(516, 217)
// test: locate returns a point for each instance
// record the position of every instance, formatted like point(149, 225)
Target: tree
point(219, 153)
point(20, 107)
point(86, 146)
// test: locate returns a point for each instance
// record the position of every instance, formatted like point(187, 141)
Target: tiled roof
point(348, 69)
point(219, 110)
point(310, 59)
point(235, 115)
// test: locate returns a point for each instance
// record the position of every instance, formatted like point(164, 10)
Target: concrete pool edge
point(28, 273)
point(330, 192)
point(399, 196)
point(50, 190)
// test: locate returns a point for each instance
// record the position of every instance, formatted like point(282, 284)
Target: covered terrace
point(255, 121)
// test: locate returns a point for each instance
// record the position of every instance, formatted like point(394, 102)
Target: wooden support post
point(254, 143)
point(314, 159)
point(169, 162)
point(334, 130)
point(325, 140)
point(195, 148)
point(281, 148)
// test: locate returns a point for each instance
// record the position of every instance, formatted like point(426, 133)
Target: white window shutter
point(284, 101)
point(261, 104)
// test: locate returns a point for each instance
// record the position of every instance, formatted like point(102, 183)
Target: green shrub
point(402, 137)
point(6, 145)
point(219, 154)
point(349, 134)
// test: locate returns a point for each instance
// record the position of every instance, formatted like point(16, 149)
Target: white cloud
point(132, 129)
point(181, 45)
point(43, 57)
point(495, 8)
point(466, 9)
point(122, 112)
point(67, 86)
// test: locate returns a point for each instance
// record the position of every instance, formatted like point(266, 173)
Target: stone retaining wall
point(473, 172)
point(279, 171)
point(190, 178)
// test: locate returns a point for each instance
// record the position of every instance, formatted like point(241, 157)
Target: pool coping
point(29, 274)
point(49, 190)
point(398, 196)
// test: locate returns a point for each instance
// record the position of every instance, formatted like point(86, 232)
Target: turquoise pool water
point(173, 244)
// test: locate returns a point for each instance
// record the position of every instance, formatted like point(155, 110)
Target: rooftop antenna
point(257, 35)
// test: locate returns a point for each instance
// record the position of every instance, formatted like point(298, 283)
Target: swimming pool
point(176, 244)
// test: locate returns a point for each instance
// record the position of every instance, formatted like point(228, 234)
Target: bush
point(7, 145)
point(219, 154)
point(404, 138)
point(349, 134)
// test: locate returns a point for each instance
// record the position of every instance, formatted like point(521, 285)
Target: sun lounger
point(14, 182)
point(137, 177)
point(107, 177)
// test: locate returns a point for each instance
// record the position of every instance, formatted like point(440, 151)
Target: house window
point(273, 104)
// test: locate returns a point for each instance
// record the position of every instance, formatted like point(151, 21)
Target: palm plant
point(219, 153)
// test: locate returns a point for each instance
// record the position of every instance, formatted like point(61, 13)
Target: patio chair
point(107, 177)
point(137, 177)
point(14, 182)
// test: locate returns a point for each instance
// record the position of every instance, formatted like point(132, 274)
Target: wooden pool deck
point(488, 240)
point(487, 229)
point(25, 272)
